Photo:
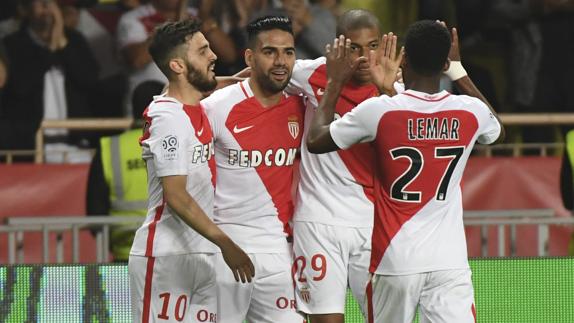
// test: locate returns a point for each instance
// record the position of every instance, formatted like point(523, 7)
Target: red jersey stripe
point(151, 232)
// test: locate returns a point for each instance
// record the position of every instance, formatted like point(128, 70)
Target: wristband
point(455, 71)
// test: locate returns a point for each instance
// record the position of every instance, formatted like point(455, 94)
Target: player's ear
point(177, 66)
point(446, 65)
point(249, 57)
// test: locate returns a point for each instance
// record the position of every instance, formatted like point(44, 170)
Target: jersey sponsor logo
point(293, 125)
point(239, 130)
point(170, 145)
point(433, 128)
point(206, 316)
point(283, 303)
point(202, 153)
point(255, 158)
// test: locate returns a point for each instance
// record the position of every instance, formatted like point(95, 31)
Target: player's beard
point(199, 80)
point(272, 86)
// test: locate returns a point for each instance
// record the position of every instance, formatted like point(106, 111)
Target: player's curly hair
point(427, 44)
point(266, 23)
point(167, 39)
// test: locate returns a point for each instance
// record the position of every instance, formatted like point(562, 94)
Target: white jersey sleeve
point(299, 83)
point(169, 135)
point(489, 127)
point(357, 126)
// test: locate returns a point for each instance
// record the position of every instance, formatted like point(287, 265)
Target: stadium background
point(526, 289)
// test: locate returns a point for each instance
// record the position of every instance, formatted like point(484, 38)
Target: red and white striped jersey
point(334, 188)
point(177, 140)
point(422, 143)
point(255, 148)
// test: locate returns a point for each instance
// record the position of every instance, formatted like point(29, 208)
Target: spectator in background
point(313, 25)
point(135, 28)
point(51, 73)
point(117, 182)
point(332, 5)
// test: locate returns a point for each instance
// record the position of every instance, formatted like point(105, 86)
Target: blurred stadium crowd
point(83, 58)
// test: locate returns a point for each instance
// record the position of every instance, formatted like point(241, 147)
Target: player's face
point(200, 62)
point(272, 60)
point(362, 41)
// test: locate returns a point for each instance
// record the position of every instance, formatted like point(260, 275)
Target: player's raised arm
point(339, 70)
point(462, 81)
point(179, 200)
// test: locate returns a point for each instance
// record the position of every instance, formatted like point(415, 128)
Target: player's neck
point(265, 98)
point(423, 84)
point(184, 93)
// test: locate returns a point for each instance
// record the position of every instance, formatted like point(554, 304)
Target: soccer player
point(257, 131)
point(422, 140)
point(171, 261)
point(334, 211)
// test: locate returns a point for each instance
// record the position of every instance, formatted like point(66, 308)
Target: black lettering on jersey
point(433, 129)
point(202, 153)
point(256, 158)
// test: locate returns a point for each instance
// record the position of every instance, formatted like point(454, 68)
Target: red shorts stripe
point(147, 290)
point(370, 315)
point(151, 230)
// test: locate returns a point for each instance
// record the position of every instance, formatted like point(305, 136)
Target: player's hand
point(340, 65)
point(238, 261)
point(454, 53)
point(384, 64)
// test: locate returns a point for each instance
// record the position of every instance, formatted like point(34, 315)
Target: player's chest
point(259, 129)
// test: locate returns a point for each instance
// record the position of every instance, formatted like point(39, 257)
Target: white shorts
point(173, 288)
point(268, 298)
point(442, 296)
point(328, 260)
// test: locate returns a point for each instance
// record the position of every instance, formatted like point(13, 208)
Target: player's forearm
point(466, 86)
point(191, 213)
point(319, 138)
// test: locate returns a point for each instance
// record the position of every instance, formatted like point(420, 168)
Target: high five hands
point(384, 63)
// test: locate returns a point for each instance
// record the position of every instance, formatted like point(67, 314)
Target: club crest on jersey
point(293, 125)
point(170, 145)
point(305, 294)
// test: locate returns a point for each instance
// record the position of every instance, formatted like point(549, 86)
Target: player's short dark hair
point(266, 23)
point(355, 19)
point(167, 39)
point(427, 44)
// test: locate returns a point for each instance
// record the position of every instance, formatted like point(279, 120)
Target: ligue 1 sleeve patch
point(170, 147)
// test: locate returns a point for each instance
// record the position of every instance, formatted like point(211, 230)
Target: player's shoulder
point(163, 105)
point(468, 103)
point(309, 64)
point(227, 96)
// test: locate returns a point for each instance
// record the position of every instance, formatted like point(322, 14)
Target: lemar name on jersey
point(433, 128)
point(254, 158)
point(203, 153)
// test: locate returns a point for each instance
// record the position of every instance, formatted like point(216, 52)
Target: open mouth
point(279, 74)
